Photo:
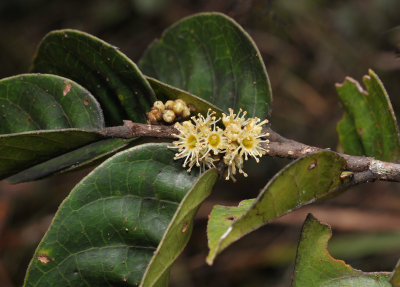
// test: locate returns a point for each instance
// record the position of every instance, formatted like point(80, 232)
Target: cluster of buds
point(169, 112)
point(202, 143)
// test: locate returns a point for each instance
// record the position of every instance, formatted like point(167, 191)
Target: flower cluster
point(169, 112)
point(202, 143)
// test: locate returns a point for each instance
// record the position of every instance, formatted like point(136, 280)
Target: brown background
point(307, 46)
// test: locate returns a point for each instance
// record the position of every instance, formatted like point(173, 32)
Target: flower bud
point(151, 119)
point(186, 112)
point(180, 101)
point(168, 116)
point(178, 107)
point(169, 105)
point(159, 105)
point(156, 113)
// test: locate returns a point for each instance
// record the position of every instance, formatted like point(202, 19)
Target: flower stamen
point(201, 142)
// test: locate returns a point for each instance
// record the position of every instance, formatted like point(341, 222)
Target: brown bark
point(365, 168)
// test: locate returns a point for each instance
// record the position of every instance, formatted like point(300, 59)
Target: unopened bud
point(156, 113)
point(168, 116)
point(180, 101)
point(151, 119)
point(169, 105)
point(159, 105)
point(178, 107)
point(186, 112)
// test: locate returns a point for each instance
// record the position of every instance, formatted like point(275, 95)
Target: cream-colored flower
point(234, 161)
point(254, 125)
point(203, 143)
point(207, 161)
point(250, 139)
point(233, 118)
point(233, 124)
point(202, 123)
point(188, 145)
point(214, 139)
point(250, 146)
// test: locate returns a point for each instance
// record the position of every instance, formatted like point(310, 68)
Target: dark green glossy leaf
point(166, 92)
point(43, 116)
point(211, 56)
point(108, 74)
point(43, 102)
point(369, 125)
point(79, 158)
point(23, 150)
point(124, 224)
point(316, 267)
point(300, 183)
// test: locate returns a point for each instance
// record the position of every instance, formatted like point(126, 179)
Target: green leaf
point(362, 244)
point(395, 278)
point(348, 136)
point(42, 116)
point(211, 56)
point(369, 125)
point(124, 224)
point(23, 150)
point(300, 183)
point(166, 92)
point(43, 102)
point(76, 159)
point(316, 267)
point(108, 74)
point(221, 219)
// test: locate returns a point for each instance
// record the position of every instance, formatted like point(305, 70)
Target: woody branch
point(364, 168)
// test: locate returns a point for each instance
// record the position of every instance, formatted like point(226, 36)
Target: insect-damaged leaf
point(44, 102)
point(369, 125)
point(315, 267)
point(43, 116)
point(108, 74)
point(301, 182)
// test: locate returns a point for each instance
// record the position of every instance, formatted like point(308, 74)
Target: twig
point(373, 169)
point(133, 130)
point(364, 168)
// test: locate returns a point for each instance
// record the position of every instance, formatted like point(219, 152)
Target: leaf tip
point(210, 259)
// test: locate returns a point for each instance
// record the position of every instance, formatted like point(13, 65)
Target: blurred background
point(307, 46)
